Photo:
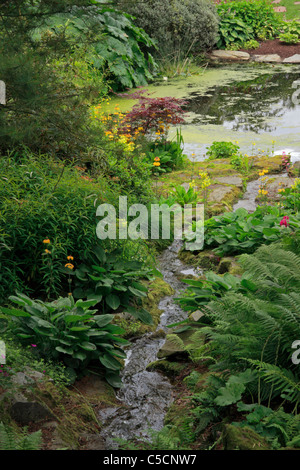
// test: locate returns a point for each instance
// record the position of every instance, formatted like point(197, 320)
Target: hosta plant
point(239, 231)
point(114, 282)
point(69, 332)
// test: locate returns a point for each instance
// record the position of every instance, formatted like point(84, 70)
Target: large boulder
point(229, 55)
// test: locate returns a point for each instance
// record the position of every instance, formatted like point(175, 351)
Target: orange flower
point(46, 240)
point(70, 258)
point(69, 265)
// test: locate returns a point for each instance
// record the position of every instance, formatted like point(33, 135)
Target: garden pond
point(256, 105)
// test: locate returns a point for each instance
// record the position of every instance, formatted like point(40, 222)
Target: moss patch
point(237, 438)
point(157, 290)
point(170, 369)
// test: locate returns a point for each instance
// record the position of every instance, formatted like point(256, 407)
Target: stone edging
point(246, 57)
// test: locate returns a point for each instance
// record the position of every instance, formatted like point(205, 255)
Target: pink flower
point(284, 221)
point(33, 345)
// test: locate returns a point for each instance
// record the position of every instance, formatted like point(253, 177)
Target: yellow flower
point(70, 258)
point(46, 241)
point(156, 164)
point(157, 159)
point(205, 180)
point(48, 252)
point(69, 265)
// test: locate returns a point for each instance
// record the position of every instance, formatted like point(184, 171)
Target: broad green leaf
point(103, 320)
point(113, 301)
point(110, 362)
point(14, 312)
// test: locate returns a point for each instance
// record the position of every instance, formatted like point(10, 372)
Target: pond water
point(252, 104)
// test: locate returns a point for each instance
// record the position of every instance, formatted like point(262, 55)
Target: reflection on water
point(259, 105)
point(236, 102)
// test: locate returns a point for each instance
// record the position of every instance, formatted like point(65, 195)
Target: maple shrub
point(153, 116)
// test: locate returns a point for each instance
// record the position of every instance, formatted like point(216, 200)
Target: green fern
point(10, 439)
point(284, 380)
point(257, 325)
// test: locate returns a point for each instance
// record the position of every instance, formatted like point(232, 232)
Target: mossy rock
point(133, 327)
point(176, 345)
point(170, 369)
point(204, 259)
point(273, 164)
point(224, 265)
point(242, 438)
point(157, 290)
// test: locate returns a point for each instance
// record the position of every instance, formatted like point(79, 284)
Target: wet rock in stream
point(146, 396)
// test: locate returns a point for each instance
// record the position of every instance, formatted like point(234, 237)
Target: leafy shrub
point(115, 282)
point(233, 31)
point(42, 199)
point(269, 311)
point(182, 197)
point(169, 155)
point(251, 44)
point(153, 116)
point(243, 232)
point(277, 427)
point(185, 25)
point(69, 332)
point(257, 17)
point(119, 48)
point(201, 292)
point(290, 197)
point(289, 38)
point(291, 29)
point(45, 112)
point(222, 150)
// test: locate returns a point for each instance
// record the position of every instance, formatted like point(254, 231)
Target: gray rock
point(229, 55)
point(195, 316)
point(235, 180)
point(218, 193)
point(22, 409)
point(186, 186)
point(25, 412)
point(294, 59)
point(267, 58)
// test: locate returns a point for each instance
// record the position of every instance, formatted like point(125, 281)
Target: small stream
point(146, 395)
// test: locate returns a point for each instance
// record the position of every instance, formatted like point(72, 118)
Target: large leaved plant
point(69, 332)
point(116, 283)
